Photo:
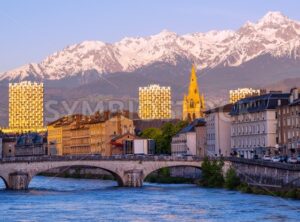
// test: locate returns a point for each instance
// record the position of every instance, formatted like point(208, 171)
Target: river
point(60, 199)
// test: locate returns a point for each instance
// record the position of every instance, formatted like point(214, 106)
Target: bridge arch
point(117, 177)
point(4, 181)
point(156, 168)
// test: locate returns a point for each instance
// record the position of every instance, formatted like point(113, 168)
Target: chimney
point(294, 94)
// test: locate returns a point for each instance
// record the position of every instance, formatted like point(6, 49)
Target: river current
point(61, 199)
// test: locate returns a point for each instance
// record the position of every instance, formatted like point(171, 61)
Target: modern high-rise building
point(241, 93)
point(26, 112)
point(155, 102)
point(193, 103)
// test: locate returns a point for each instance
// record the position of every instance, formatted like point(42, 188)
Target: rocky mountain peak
point(274, 17)
point(274, 34)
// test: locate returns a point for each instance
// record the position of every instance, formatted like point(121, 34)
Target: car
point(276, 159)
point(255, 157)
point(292, 160)
point(283, 159)
point(267, 158)
point(298, 159)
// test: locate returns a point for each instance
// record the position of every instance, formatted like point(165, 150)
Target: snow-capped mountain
point(274, 34)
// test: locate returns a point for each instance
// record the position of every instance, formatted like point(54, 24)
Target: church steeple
point(193, 88)
point(193, 103)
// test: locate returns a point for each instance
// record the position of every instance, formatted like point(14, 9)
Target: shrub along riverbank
point(212, 176)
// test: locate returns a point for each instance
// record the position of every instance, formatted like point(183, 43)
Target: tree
point(232, 180)
point(151, 133)
point(163, 136)
point(180, 125)
point(212, 175)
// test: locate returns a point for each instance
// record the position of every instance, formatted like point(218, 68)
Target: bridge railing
point(259, 162)
point(100, 158)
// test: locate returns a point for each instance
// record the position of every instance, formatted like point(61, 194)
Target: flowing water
point(60, 199)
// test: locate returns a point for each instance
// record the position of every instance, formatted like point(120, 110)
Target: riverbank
point(213, 177)
point(293, 193)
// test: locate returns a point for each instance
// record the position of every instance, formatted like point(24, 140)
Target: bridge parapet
point(99, 157)
point(264, 163)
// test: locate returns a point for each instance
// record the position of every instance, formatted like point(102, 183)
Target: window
point(192, 103)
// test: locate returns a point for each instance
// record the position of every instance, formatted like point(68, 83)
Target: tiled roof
point(259, 103)
point(225, 108)
point(191, 126)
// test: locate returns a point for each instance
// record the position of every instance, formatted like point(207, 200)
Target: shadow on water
point(56, 184)
point(2, 184)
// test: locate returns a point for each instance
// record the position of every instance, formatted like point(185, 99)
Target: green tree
point(151, 133)
point(180, 125)
point(232, 181)
point(168, 131)
point(163, 136)
point(212, 175)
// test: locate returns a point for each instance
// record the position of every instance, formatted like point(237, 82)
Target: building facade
point(200, 130)
point(185, 141)
point(218, 125)
point(254, 124)
point(288, 125)
point(31, 144)
point(241, 93)
point(26, 112)
point(79, 134)
point(8, 145)
point(193, 103)
point(118, 143)
point(155, 102)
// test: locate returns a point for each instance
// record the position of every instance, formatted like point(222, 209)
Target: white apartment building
point(185, 142)
point(254, 124)
point(218, 125)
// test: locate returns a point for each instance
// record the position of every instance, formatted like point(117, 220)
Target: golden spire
point(193, 103)
point(193, 88)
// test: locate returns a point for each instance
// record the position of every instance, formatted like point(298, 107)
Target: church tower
point(193, 103)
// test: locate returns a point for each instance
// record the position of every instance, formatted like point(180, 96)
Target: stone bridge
point(129, 171)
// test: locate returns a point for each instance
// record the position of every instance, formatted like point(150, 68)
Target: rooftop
point(260, 103)
point(80, 119)
point(192, 125)
point(225, 108)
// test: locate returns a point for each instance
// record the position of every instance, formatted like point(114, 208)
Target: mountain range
point(258, 54)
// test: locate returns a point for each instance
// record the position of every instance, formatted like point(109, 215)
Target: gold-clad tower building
point(155, 102)
point(26, 112)
point(193, 103)
point(241, 93)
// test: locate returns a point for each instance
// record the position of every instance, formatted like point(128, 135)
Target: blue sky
point(32, 29)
